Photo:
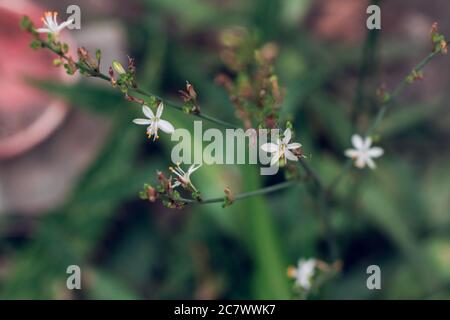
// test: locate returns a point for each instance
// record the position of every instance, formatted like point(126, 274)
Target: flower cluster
point(190, 100)
point(253, 87)
point(126, 79)
point(438, 40)
point(166, 189)
point(184, 178)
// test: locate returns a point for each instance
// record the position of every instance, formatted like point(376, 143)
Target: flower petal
point(287, 136)
point(142, 121)
point(147, 112)
point(178, 171)
point(352, 153)
point(371, 163)
point(166, 126)
point(49, 19)
point(289, 155)
point(375, 152)
point(152, 129)
point(367, 142)
point(357, 141)
point(193, 168)
point(160, 109)
point(294, 145)
point(176, 184)
point(43, 30)
point(65, 24)
point(275, 158)
point(360, 162)
point(269, 147)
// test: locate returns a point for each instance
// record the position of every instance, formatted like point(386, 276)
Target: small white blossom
point(155, 122)
point(304, 273)
point(282, 148)
point(184, 177)
point(363, 152)
point(51, 23)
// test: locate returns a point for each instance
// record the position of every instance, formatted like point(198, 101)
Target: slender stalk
point(366, 69)
point(330, 238)
point(258, 192)
point(381, 113)
point(180, 108)
point(100, 75)
point(312, 174)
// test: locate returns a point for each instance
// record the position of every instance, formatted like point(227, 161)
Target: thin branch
point(100, 75)
point(180, 108)
point(258, 192)
point(366, 69)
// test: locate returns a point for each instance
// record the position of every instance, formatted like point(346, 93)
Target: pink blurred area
point(43, 147)
point(27, 115)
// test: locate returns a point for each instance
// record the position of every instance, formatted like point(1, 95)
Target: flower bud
point(117, 66)
point(152, 194)
point(191, 91)
point(98, 55)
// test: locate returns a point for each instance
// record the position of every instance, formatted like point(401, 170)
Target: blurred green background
point(397, 216)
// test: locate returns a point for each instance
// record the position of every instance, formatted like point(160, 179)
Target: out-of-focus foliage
point(397, 216)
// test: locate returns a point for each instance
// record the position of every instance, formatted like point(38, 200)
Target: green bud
point(153, 102)
point(143, 195)
point(98, 54)
point(35, 44)
point(57, 62)
point(186, 109)
point(65, 48)
point(176, 195)
point(289, 125)
point(117, 66)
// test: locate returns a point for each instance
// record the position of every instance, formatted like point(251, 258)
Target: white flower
point(281, 149)
point(51, 24)
point(155, 122)
point(303, 273)
point(184, 177)
point(363, 152)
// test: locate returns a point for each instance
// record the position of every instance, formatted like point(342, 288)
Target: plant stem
point(270, 189)
point(366, 69)
point(98, 74)
point(323, 212)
